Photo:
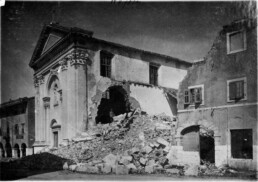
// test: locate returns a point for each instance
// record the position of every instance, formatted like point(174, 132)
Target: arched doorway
point(16, 150)
point(8, 149)
point(199, 139)
point(114, 102)
point(23, 149)
point(55, 130)
point(1, 150)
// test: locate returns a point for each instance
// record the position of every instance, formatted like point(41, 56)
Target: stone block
point(191, 170)
point(72, 167)
point(147, 149)
point(121, 169)
point(149, 169)
point(65, 166)
point(106, 169)
point(135, 150)
point(125, 159)
point(131, 166)
point(87, 169)
point(162, 141)
point(172, 171)
point(151, 162)
point(110, 160)
point(143, 161)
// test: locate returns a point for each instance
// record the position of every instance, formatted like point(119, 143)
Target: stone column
point(37, 108)
point(77, 91)
point(46, 101)
point(41, 120)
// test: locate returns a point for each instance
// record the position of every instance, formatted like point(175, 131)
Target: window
point(105, 64)
point(22, 128)
point(194, 95)
point(236, 89)
point(154, 74)
point(16, 129)
point(242, 144)
point(236, 41)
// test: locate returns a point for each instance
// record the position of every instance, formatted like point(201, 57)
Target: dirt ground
point(67, 175)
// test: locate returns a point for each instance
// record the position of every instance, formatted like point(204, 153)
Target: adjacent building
point(17, 127)
point(81, 81)
point(217, 102)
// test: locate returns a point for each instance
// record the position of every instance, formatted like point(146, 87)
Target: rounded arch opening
point(199, 138)
point(23, 149)
point(17, 150)
point(113, 103)
point(8, 149)
point(2, 150)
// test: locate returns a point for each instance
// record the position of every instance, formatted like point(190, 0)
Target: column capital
point(78, 57)
point(38, 80)
point(63, 64)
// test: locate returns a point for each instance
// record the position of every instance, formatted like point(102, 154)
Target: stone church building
point(81, 81)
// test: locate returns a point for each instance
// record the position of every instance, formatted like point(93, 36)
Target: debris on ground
point(134, 143)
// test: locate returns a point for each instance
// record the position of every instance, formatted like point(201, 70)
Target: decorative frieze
point(46, 101)
point(77, 57)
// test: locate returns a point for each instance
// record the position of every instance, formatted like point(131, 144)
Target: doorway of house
point(207, 146)
point(55, 139)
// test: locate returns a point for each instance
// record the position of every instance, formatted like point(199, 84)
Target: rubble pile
point(132, 143)
point(209, 169)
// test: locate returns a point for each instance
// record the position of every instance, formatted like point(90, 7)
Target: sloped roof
point(80, 37)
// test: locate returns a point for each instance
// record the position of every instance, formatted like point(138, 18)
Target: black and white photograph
point(128, 90)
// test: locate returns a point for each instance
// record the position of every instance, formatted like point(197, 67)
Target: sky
point(185, 30)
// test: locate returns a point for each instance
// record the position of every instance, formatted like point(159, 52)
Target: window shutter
point(232, 91)
point(187, 98)
point(198, 95)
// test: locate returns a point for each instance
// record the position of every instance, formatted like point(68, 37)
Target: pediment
point(49, 37)
point(51, 40)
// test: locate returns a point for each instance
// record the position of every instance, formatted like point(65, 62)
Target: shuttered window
point(154, 74)
point(193, 96)
point(236, 90)
point(236, 41)
point(105, 64)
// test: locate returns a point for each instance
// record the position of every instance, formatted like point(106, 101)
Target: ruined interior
point(114, 102)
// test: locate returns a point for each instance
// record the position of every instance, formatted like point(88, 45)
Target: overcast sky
point(185, 30)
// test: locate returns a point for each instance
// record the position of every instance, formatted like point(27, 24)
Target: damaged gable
point(49, 36)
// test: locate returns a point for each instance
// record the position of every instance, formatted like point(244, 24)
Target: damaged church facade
point(81, 81)
point(217, 102)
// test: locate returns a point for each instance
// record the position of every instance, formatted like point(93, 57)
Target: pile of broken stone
point(134, 143)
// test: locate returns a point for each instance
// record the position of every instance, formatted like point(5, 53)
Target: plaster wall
point(216, 113)
point(152, 100)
